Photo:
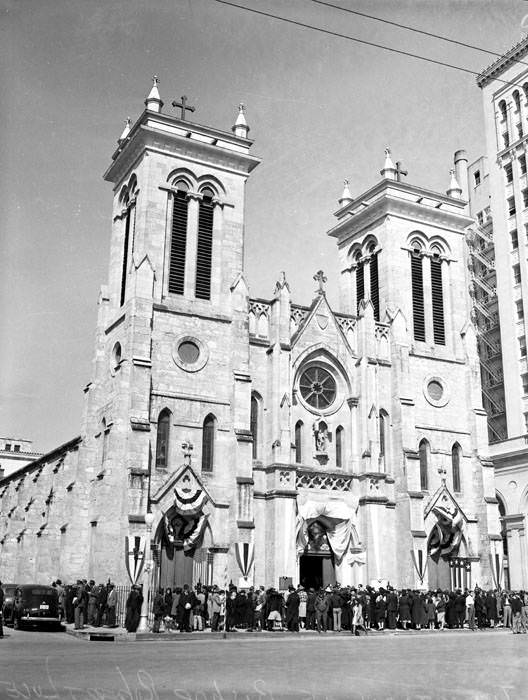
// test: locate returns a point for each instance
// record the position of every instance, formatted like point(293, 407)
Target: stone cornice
point(503, 63)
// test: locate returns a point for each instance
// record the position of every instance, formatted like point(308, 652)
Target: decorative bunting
point(447, 532)
point(135, 556)
point(419, 564)
point(245, 554)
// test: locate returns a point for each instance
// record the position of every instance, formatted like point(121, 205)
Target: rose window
point(318, 387)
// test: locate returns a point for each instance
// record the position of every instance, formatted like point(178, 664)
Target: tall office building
point(498, 194)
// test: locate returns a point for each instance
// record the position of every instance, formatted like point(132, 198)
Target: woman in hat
point(303, 597)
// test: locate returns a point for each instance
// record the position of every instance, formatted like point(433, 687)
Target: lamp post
point(143, 622)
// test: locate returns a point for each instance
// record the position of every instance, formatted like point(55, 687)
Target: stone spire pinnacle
point(389, 169)
point(126, 130)
point(454, 190)
point(346, 197)
point(153, 101)
point(240, 127)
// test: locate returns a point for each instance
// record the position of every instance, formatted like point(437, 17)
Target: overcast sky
point(320, 109)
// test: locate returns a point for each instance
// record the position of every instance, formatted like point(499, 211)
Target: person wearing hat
point(185, 604)
point(133, 610)
point(321, 611)
point(392, 608)
point(292, 610)
point(303, 597)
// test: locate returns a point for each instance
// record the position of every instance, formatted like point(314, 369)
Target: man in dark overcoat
point(292, 610)
point(392, 608)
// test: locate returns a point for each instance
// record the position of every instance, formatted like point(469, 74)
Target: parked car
point(9, 593)
point(33, 604)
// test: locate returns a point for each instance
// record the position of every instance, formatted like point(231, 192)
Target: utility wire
point(407, 27)
point(329, 32)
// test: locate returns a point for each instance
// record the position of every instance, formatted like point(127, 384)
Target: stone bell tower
point(169, 337)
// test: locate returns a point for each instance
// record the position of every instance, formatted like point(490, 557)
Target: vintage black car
point(32, 604)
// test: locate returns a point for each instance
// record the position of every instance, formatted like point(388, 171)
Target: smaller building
point(15, 453)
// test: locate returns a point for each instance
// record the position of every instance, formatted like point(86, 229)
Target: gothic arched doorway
point(316, 563)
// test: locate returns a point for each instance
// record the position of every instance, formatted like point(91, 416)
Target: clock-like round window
point(318, 387)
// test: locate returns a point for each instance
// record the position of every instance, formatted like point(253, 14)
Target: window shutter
point(374, 285)
point(208, 438)
point(254, 425)
point(417, 296)
point(360, 284)
point(205, 249)
point(178, 243)
point(339, 447)
point(298, 442)
point(438, 301)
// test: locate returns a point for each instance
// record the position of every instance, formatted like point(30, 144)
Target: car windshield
point(40, 591)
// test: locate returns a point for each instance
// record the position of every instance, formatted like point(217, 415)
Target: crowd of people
point(352, 609)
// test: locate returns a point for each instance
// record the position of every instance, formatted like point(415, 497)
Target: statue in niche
point(321, 436)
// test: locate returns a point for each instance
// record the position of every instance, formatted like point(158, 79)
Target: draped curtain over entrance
point(336, 516)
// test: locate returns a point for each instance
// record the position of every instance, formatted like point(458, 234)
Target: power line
point(329, 32)
point(407, 27)
point(304, 25)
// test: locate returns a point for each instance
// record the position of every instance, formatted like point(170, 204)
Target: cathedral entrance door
point(176, 567)
point(439, 574)
point(316, 571)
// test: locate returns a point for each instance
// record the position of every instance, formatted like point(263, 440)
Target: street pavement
point(485, 665)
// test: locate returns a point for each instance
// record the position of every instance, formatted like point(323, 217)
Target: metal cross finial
point(321, 279)
point(400, 172)
point(155, 79)
point(187, 448)
point(183, 106)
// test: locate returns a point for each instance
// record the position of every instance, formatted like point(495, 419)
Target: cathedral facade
point(227, 438)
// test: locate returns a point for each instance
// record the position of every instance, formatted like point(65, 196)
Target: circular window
point(435, 391)
point(318, 387)
point(188, 351)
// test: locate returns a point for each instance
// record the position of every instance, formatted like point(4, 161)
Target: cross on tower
point(321, 279)
point(399, 171)
point(183, 106)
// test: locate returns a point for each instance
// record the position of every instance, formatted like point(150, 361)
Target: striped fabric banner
point(245, 553)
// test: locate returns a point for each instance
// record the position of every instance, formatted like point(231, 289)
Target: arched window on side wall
point(424, 452)
point(437, 300)
point(298, 441)
point(339, 446)
point(254, 425)
point(162, 440)
point(374, 281)
point(360, 280)
point(383, 427)
point(455, 464)
point(208, 443)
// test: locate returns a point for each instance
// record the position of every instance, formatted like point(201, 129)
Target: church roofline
point(178, 130)
point(44, 459)
point(503, 63)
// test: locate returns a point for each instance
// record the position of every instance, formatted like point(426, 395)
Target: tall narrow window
point(374, 285)
point(383, 424)
point(204, 252)
point(417, 295)
point(125, 257)
point(339, 447)
point(254, 425)
point(178, 239)
point(162, 440)
point(438, 301)
point(208, 440)
point(455, 464)
point(360, 283)
point(298, 441)
point(423, 451)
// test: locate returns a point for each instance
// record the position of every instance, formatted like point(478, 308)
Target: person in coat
point(460, 609)
point(392, 608)
point(404, 609)
point(381, 610)
point(111, 606)
point(292, 610)
point(79, 605)
point(321, 611)
point(417, 611)
point(310, 609)
point(185, 606)
point(158, 610)
point(491, 608)
point(336, 602)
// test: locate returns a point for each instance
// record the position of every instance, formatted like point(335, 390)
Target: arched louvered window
point(360, 281)
point(417, 295)
point(126, 246)
point(437, 300)
point(204, 251)
point(298, 441)
point(517, 100)
point(178, 245)
point(254, 425)
point(424, 452)
point(374, 282)
point(162, 440)
point(503, 110)
point(383, 425)
point(208, 443)
point(455, 464)
point(339, 447)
